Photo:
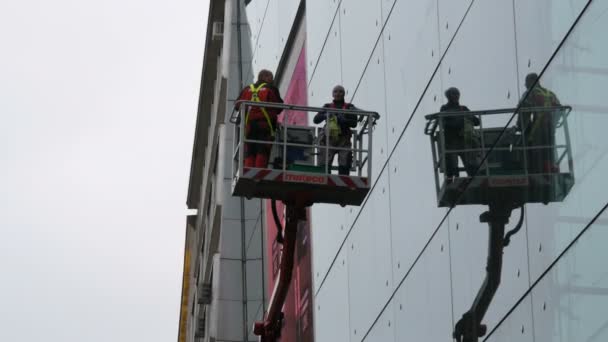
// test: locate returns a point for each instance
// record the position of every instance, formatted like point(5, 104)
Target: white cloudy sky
point(97, 111)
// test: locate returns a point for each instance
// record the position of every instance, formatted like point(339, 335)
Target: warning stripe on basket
point(352, 182)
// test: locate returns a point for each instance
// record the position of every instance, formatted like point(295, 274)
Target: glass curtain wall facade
point(399, 267)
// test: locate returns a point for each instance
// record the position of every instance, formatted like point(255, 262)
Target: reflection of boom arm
point(469, 327)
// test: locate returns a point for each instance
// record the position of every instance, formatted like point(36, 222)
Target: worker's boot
point(261, 160)
point(249, 161)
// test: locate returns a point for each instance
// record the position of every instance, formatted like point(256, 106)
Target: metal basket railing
point(500, 149)
point(283, 144)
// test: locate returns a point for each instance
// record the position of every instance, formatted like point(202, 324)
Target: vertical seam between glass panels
point(255, 50)
point(318, 58)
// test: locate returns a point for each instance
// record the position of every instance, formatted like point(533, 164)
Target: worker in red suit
point(260, 122)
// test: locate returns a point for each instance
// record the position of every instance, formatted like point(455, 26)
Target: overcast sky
point(97, 111)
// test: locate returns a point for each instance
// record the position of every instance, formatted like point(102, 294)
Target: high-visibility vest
point(256, 98)
point(548, 100)
point(332, 122)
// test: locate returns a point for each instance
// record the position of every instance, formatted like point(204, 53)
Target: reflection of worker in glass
point(338, 130)
point(460, 134)
point(539, 126)
point(260, 123)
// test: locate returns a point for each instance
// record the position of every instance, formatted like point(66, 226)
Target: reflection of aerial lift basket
point(506, 168)
point(296, 179)
point(504, 181)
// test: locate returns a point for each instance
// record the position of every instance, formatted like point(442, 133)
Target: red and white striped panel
point(352, 182)
point(263, 174)
point(348, 181)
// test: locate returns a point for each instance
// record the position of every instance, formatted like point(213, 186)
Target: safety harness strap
point(256, 98)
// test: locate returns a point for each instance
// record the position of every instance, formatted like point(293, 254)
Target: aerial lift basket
point(294, 171)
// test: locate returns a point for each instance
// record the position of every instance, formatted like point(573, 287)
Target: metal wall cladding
point(329, 222)
point(270, 22)
point(411, 54)
point(327, 70)
point(360, 26)
point(329, 230)
point(422, 302)
point(322, 23)
point(332, 304)
point(401, 268)
point(370, 95)
point(369, 258)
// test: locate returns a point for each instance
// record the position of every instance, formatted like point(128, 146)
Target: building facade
point(400, 267)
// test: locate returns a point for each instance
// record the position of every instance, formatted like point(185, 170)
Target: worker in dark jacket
point(336, 133)
point(460, 134)
point(260, 122)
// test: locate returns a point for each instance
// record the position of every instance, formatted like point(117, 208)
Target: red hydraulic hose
point(270, 329)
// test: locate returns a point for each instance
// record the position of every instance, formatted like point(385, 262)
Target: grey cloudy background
point(97, 111)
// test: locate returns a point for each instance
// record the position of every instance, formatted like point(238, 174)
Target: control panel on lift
point(529, 164)
point(295, 168)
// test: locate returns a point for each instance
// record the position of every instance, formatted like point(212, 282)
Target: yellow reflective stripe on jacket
point(548, 99)
point(256, 98)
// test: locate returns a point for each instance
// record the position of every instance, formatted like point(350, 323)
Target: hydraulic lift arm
point(270, 329)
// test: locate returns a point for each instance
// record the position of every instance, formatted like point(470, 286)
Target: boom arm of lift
point(270, 329)
point(469, 327)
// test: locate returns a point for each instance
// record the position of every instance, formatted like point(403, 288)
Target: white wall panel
point(255, 11)
point(332, 304)
point(287, 10)
point(232, 208)
point(411, 49)
point(422, 304)
point(481, 60)
point(320, 15)
point(371, 96)
point(253, 239)
point(255, 281)
point(351, 213)
point(268, 51)
point(541, 25)
point(384, 328)
point(328, 72)
point(229, 312)
point(231, 279)
point(230, 239)
point(328, 231)
point(369, 255)
point(451, 13)
point(518, 326)
point(387, 6)
point(360, 25)
point(329, 227)
point(249, 28)
point(414, 211)
point(254, 16)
